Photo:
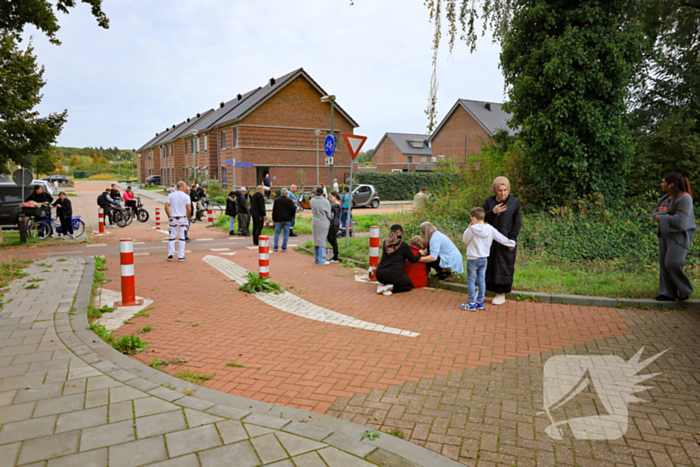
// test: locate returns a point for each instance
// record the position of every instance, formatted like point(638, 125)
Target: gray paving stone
point(385, 458)
point(227, 412)
point(189, 460)
point(59, 405)
point(18, 350)
point(7, 397)
point(17, 412)
point(283, 463)
point(121, 411)
point(194, 403)
point(311, 459)
point(124, 393)
point(192, 440)
point(47, 391)
point(38, 449)
point(141, 384)
point(81, 419)
point(231, 431)
point(8, 454)
point(197, 418)
point(349, 444)
point(96, 458)
point(337, 458)
point(51, 365)
point(76, 386)
point(14, 370)
point(166, 394)
point(21, 382)
point(296, 445)
point(27, 429)
point(308, 431)
point(268, 448)
point(254, 430)
point(266, 420)
point(152, 405)
point(221, 457)
point(102, 382)
point(107, 435)
point(96, 398)
point(142, 452)
point(160, 424)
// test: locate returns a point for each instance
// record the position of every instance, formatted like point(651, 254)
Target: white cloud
point(161, 62)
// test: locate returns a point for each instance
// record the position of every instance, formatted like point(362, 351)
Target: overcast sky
point(164, 60)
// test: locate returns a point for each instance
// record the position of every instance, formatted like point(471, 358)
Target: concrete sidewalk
point(68, 399)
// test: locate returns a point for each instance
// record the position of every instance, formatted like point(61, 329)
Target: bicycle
point(41, 228)
point(202, 215)
point(121, 216)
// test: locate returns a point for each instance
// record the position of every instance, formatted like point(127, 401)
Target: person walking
point(64, 212)
point(335, 225)
point(257, 210)
point(194, 199)
point(441, 254)
point(390, 271)
point(503, 213)
point(231, 211)
point(335, 185)
point(345, 200)
point(243, 212)
point(320, 223)
point(676, 218)
point(292, 194)
point(178, 208)
point(283, 211)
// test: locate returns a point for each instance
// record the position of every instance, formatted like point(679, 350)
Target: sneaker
point(499, 299)
point(383, 288)
point(231, 233)
point(324, 264)
point(663, 298)
point(170, 258)
point(387, 292)
point(468, 306)
point(334, 261)
point(284, 250)
point(292, 234)
point(479, 306)
point(275, 250)
point(181, 259)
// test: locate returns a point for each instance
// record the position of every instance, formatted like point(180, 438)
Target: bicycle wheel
point(40, 230)
point(78, 227)
point(142, 216)
point(129, 215)
point(217, 210)
point(119, 218)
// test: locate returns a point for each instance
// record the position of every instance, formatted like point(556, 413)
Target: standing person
point(345, 200)
point(442, 254)
point(231, 211)
point(114, 192)
point(503, 213)
point(335, 225)
point(243, 212)
point(320, 223)
point(194, 200)
point(420, 200)
point(478, 239)
point(257, 211)
point(325, 192)
point(64, 212)
point(172, 188)
point(266, 184)
point(178, 208)
point(676, 232)
point(335, 185)
point(283, 211)
point(291, 194)
point(390, 271)
point(417, 272)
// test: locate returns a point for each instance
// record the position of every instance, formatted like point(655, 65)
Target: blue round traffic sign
point(329, 146)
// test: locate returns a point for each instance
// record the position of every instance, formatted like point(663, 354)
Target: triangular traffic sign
point(354, 143)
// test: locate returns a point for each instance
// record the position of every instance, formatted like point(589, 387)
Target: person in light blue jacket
point(442, 254)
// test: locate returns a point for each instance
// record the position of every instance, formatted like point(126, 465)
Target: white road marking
point(142, 254)
point(228, 254)
point(219, 249)
point(139, 243)
point(71, 252)
point(96, 244)
point(204, 239)
point(290, 303)
point(252, 247)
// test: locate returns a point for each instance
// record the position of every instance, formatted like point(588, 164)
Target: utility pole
point(318, 176)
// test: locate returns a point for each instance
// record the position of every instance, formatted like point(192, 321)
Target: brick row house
point(273, 128)
point(405, 152)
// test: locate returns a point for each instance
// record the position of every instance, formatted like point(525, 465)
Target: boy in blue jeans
point(478, 239)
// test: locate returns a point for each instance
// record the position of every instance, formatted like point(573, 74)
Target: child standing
point(478, 239)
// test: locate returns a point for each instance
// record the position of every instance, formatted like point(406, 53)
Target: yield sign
point(355, 143)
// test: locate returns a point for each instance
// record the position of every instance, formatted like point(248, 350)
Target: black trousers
point(435, 265)
point(258, 224)
point(66, 225)
point(333, 240)
point(108, 214)
point(400, 282)
point(243, 228)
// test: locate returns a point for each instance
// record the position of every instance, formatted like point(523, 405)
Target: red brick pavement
point(200, 316)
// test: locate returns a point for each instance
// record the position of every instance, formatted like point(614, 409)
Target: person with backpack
point(335, 224)
point(105, 201)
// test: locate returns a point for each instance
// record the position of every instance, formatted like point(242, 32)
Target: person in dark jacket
point(231, 211)
point(283, 211)
point(194, 201)
point(258, 212)
point(39, 198)
point(243, 212)
point(335, 224)
point(64, 211)
point(503, 213)
point(114, 192)
point(395, 253)
point(676, 219)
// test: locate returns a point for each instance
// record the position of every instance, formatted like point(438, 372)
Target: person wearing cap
point(128, 197)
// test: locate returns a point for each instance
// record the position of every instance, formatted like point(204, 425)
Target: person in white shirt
point(178, 207)
point(335, 185)
point(478, 239)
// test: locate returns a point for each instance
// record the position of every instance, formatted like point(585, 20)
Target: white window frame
point(222, 137)
point(235, 136)
point(206, 142)
point(197, 145)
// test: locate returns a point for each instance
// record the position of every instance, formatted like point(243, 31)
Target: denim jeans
point(278, 227)
point(343, 218)
point(230, 223)
point(476, 272)
point(319, 254)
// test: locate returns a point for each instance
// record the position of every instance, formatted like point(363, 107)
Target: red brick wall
point(388, 157)
point(450, 140)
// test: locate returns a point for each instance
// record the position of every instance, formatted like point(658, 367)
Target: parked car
point(48, 188)
point(61, 179)
point(153, 180)
point(365, 196)
point(11, 200)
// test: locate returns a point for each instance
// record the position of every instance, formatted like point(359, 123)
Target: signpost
point(236, 164)
point(354, 143)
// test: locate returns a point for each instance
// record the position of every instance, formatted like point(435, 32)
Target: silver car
point(365, 196)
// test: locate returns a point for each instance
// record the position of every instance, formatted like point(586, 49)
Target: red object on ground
point(373, 252)
point(126, 257)
point(102, 220)
point(157, 218)
point(264, 255)
point(417, 272)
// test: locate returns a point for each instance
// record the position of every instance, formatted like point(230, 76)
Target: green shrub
point(129, 345)
point(257, 284)
point(220, 200)
point(404, 185)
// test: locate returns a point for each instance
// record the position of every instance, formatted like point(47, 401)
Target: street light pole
point(318, 176)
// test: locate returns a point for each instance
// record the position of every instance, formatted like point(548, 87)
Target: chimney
point(188, 119)
point(197, 115)
point(221, 105)
point(272, 81)
point(239, 97)
point(488, 106)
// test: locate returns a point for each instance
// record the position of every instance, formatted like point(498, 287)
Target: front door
point(260, 174)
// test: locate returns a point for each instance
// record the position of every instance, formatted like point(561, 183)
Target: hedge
point(404, 185)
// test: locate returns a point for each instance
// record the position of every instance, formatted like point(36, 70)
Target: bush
point(220, 200)
point(404, 185)
point(214, 190)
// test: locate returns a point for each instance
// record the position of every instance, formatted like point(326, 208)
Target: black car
point(61, 179)
point(11, 201)
point(153, 180)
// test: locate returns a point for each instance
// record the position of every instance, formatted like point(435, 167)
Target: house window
point(198, 148)
point(235, 137)
point(206, 143)
point(424, 159)
point(223, 139)
point(410, 159)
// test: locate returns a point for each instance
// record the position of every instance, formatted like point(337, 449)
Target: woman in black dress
point(395, 253)
point(503, 213)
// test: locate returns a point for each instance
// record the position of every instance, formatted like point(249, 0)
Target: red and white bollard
point(126, 256)
point(102, 220)
point(264, 255)
point(269, 223)
point(210, 213)
point(373, 252)
point(157, 218)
